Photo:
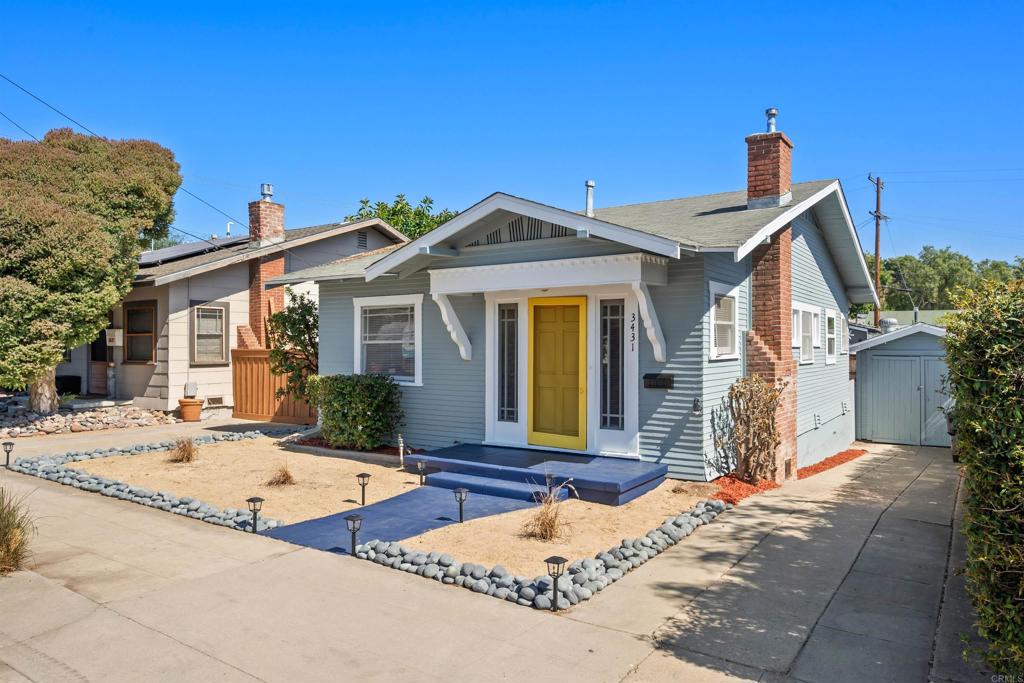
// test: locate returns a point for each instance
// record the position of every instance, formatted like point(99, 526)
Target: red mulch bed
point(829, 463)
point(383, 450)
point(732, 490)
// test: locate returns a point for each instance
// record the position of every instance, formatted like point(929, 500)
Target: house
point(191, 304)
point(902, 395)
point(613, 331)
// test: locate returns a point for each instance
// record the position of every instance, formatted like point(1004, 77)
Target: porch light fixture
point(556, 567)
point(255, 503)
point(461, 495)
point(363, 480)
point(421, 467)
point(8, 447)
point(353, 522)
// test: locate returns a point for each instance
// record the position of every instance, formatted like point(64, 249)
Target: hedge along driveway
point(403, 516)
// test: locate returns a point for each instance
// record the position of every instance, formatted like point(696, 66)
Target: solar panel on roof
point(180, 251)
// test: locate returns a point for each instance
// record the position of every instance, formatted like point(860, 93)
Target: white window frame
point(414, 300)
point(799, 310)
point(720, 289)
point(816, 332)
point(830, 359)
point(194, 359)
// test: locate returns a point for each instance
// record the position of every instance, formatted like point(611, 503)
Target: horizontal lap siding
point(449, 407)
point(670, 433)
point(719, 375)
point(821, 388)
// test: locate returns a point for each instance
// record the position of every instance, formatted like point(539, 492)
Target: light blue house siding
point(825, 419)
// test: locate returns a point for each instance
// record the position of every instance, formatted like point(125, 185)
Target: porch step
point(490, 486)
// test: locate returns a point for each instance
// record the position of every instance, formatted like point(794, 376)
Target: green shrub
point(16, 530)
point(985, 350)
point(360, 412)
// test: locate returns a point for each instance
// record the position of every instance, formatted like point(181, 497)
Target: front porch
point(506, 472)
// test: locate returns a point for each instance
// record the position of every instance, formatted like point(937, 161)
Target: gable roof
point(898, 334)
point(348, 268)
point(156, 272)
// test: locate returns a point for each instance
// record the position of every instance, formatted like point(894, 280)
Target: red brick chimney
point(769, 341)
point(266, 227)
point(769, 167)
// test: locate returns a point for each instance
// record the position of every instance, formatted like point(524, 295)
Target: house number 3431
point(632, 331)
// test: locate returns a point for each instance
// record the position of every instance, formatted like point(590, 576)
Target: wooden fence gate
point(255, 389)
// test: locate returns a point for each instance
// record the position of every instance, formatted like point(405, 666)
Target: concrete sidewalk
point(836, 577)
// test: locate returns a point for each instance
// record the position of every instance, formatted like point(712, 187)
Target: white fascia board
point(525, 207)
point(280, 246)
point(852, 229)
point(783, 220)
point(898, 334)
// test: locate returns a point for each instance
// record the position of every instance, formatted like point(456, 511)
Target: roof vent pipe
point(590, 198)
point(266, 191)
point(771, 113)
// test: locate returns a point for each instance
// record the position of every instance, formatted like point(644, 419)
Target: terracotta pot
point(191, 408)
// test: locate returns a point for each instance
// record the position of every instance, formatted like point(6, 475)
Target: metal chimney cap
point(266, 191)
point(590, 183)
point(771, 113)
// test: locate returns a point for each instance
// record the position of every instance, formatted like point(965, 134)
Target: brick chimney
point(769, 341)
point(266, 228)
point(769, 166)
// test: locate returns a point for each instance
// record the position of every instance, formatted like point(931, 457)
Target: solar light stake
point(420, 467)
point(353, 522)
point(8, 447)
point(401, 451)
point(461, 495)
point(255, 503)
point(556, 567)
point(363, 480)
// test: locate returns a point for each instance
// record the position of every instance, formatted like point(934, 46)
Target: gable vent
point(494, 237)
point(534, 228)
point(515, 230)
point(361, 239)
point(561, 231)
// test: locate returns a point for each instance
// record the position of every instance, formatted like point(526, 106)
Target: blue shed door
point(933, 425)
point(896, 399)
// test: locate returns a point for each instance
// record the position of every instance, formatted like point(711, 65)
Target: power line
point(18, 126)
point(48, 105)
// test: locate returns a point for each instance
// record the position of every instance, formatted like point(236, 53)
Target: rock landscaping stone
point(17, 421)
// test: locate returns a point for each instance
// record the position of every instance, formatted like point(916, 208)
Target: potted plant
point(191, 407)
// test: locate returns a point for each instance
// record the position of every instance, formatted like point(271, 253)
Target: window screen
point(389, 342)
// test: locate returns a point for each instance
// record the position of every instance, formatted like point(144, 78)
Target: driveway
point(837, 577)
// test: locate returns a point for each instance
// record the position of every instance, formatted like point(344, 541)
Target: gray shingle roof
point(342, 269)
point(712, 220)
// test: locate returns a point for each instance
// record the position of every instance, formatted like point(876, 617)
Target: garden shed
point(901, 390)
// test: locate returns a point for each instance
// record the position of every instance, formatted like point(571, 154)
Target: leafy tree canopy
point(294, 343)
point(74, 211)
point(412, 221)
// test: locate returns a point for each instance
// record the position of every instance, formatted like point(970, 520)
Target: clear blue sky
point(336, 102)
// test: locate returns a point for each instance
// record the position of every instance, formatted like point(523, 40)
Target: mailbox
point(659, 380)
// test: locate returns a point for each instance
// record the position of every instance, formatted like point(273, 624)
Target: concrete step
point(490, 486)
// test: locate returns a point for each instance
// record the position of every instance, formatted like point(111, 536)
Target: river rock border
point(56, 468)
point(582, 580)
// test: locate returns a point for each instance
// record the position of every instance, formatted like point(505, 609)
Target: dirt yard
point(225, 474)
point(593, 528)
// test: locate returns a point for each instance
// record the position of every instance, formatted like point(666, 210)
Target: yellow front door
point(557, 394)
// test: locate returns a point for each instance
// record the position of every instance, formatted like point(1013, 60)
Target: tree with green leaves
point(74, 212)
point(412, 221)
point(294, 343)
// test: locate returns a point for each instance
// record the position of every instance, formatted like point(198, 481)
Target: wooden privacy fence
point(255, 389)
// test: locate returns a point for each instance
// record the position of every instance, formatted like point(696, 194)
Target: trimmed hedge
point(359, 412)
point(985, 351)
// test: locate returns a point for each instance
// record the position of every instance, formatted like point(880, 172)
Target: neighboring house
point(190, 304)
point(614, 331)
point(861, 331)
point(902, 394)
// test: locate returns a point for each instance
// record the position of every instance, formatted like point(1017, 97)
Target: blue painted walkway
point(404, 516)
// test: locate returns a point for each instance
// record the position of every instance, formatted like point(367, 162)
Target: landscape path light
point(556, 567)
point(353, 522)
point(8, 447)
point(255, 503)
point(363, 479)
point(461, 495)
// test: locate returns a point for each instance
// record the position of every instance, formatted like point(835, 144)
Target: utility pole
point(879, 216)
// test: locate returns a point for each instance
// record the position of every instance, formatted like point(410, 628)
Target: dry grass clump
point(282, 477)
point(16, 530)
point(185, 450)
point(547, 523)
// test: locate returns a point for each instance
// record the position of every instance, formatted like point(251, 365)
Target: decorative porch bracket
point(650, 318)
point(451, 322)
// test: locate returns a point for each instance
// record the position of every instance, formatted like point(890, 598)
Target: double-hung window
point(209, 333)
point(724, 322)
point(388, 337)
point(140, 332)
point(830, 337)
point(806, 331)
